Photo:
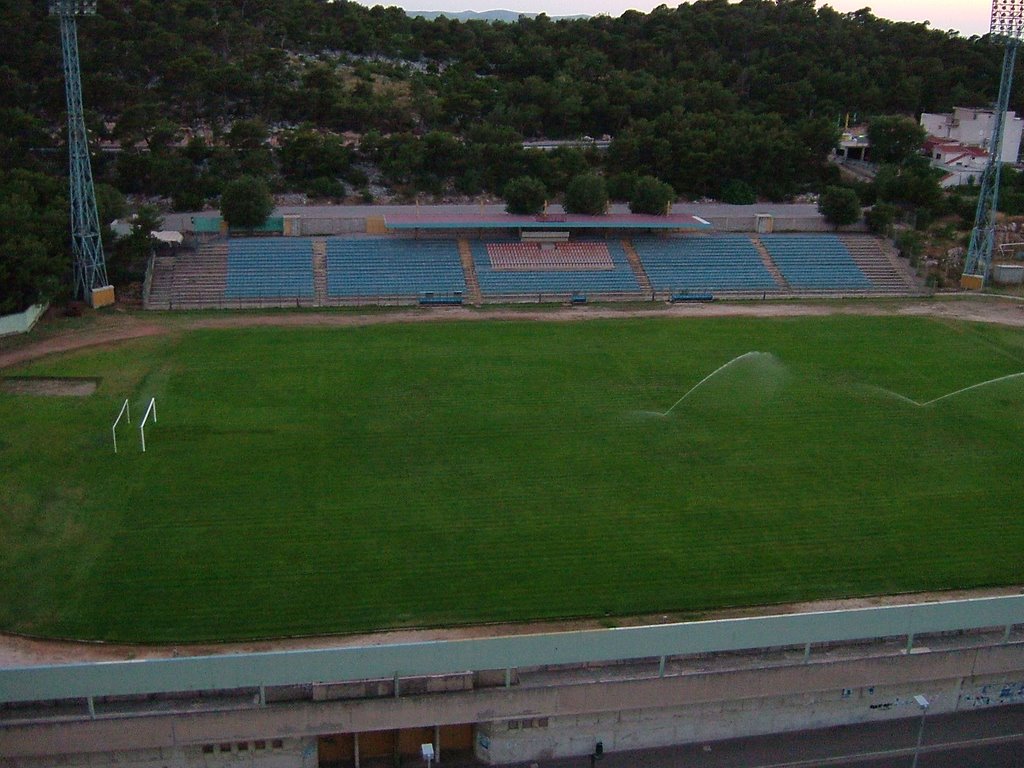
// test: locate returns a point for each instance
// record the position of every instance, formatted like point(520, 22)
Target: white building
point(962, 164)
point(973, 128)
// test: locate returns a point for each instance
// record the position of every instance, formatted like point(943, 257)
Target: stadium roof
point(544, 221)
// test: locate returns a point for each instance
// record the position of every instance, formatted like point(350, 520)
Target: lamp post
point(923, 703)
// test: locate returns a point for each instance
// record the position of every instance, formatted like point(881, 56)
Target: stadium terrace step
point(766, 259)
point(160, 287)
point(469, 270)
point(190, 279)
point(637, 266)
point(876, 261)
point(319, 271)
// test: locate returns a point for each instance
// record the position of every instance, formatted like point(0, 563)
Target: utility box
point(765, 223)
point(972, 282)
point(102, 297)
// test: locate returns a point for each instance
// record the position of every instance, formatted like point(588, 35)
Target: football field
point(321, 480)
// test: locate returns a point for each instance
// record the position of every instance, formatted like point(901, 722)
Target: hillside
point(337, 101)
point(509, 17)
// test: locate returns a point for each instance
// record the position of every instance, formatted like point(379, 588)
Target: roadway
point(987, 738)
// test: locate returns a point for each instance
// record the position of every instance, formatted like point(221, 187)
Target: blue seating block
point(703, 264)
point(270, 267)
point(367, 266)
point(815, 262)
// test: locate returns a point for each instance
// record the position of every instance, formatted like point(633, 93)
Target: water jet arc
point(710, 376)
point(958, 392)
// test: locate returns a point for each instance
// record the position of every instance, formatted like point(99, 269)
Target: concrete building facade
point(560, 695)
point(973, 128)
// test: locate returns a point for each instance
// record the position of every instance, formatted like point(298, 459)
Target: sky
point(970, 17)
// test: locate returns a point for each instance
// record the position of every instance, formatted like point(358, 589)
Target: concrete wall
point(556, 711)
point(22, 322)
point(630, 729)
point(781, 224)
point(308, 226)
point(258, 753)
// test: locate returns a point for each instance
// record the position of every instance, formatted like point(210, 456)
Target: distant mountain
point(508, 16)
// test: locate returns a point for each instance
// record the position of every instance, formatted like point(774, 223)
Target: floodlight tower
point(86, 246)
point(1007, 27)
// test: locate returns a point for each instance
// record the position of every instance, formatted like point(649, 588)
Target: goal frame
point(150, 409)
point(126, 410)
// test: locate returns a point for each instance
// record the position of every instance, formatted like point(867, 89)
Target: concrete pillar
point(437, 744)
point(355, 748)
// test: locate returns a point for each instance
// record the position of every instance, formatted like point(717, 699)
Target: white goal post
point(150, 409)
point(126, 411)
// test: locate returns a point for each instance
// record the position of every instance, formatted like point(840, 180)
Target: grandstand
point(478, 260)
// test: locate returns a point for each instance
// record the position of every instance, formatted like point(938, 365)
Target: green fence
point(211, 225)
point(243, 670)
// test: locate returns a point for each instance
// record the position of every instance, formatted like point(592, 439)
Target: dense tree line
point(731, 100)
point(700, 95)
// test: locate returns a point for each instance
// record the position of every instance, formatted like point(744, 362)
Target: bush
point(910, 245)
point(325, 186)
point(738, 192)
point(525, 195)
point(840, 206)
point(586, 194)
point(246, 202)
point(188, 199)
point(651, 196)
point(881, 218)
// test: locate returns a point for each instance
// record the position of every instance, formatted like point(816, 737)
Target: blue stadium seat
point(270, 267)
point(366, 266)
point(815, 262)
point(704, 263)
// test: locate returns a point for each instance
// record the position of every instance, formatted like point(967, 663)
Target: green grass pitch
point(305, 481)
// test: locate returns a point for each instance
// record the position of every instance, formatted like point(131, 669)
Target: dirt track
point(113, 328)
point(109, 329)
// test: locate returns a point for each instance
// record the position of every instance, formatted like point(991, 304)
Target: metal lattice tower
point(86, 245)
point(1007, 27)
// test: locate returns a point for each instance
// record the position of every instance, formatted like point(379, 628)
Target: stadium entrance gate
point(376, 749)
